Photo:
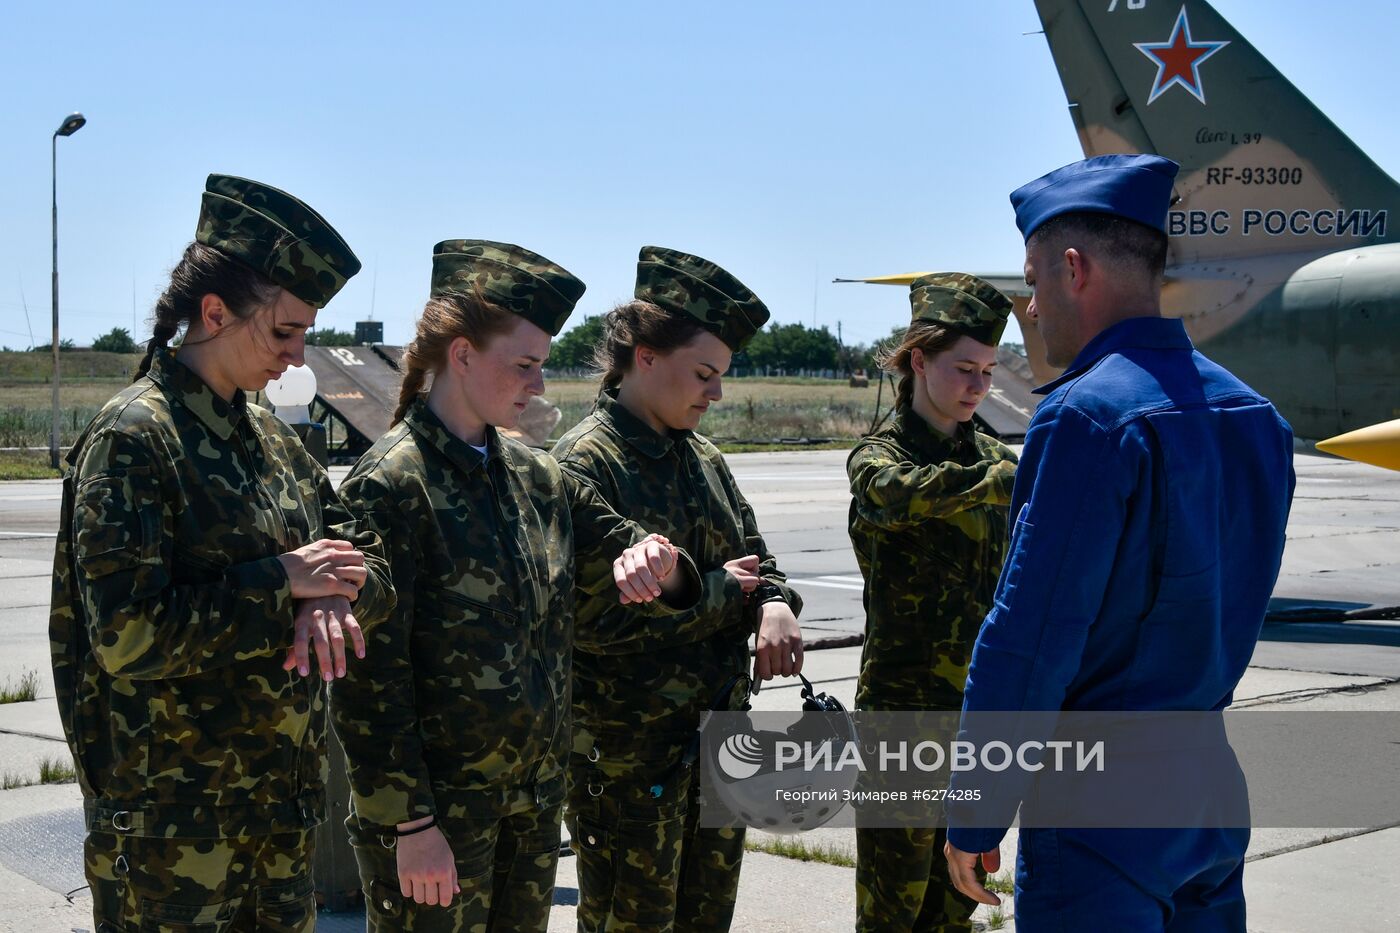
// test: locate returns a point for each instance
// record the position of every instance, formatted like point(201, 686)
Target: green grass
point(73, 365)
point(31, 465)
point(30, 427)
point(21, 691)
point(753, 414)
point(754, 410)
point(1000, 884)
point(86, 381)
point(57, 771)
point(795, 848)
point(51, 771)
point(996, 919)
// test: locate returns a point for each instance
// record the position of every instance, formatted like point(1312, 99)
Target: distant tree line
point(116, 340)
point(63, 345)
point(329, 337)
point(778, 348)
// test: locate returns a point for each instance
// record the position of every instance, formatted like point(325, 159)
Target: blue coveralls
point(1150, 507)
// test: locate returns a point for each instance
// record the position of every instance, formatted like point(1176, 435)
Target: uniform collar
point(184, 384)
point(1147, 333)
point(920, 437)
point(634, 430)
point(428, 426)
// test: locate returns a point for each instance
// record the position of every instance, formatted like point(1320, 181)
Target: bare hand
point(640, 570)
point(745, 570)
point(427, 870)
point(325, 568)
point(324, 623)
point(778, 650)
point(962, 868)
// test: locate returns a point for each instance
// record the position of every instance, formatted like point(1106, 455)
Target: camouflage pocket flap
point(116, 522)
point(386, 897)
point(165, 917)
point(592, 837)
point(287, 892)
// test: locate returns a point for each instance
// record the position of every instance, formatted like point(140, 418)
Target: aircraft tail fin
point(1263, 170)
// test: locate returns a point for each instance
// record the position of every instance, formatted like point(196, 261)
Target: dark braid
point(202, 271)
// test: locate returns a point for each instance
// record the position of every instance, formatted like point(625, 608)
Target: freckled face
point(500, 378)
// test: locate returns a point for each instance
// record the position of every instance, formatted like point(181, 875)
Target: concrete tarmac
point(1343, 557)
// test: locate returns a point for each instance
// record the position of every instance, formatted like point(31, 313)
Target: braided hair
point(202, 271)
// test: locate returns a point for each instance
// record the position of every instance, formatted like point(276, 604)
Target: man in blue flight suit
point(1150, 507)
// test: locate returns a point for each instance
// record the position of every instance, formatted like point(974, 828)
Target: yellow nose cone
point(1378, 444)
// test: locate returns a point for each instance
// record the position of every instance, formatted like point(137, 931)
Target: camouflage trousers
point(902, 883)
point(505, 868)
point(644, 863)
point(251, 883)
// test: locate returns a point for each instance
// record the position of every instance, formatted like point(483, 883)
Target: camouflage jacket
point(461, 706)
point(928, 523)
point(171, 613)
point(639, 679)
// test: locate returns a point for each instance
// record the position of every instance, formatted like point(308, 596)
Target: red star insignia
point(1179, 59)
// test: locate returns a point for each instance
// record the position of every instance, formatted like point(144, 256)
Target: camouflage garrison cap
point(510, 277)
point(963, 302)
point(277, 235)
point(685, 284)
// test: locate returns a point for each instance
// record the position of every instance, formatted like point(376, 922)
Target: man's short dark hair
point(1115, 238)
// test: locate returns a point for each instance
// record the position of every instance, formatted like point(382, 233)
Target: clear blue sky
point(790, 142)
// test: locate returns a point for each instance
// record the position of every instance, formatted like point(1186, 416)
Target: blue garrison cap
point(1135, 187)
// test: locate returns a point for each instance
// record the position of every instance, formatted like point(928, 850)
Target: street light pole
point(70, 125)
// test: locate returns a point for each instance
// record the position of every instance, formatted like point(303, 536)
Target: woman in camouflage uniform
point(200, 549)
point(456, 726)
point(928, 523)
point(640, 685)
